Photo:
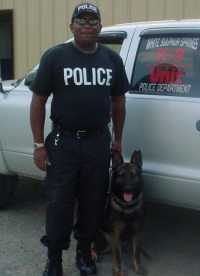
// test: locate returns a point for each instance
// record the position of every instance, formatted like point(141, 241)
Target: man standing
point(88, 83)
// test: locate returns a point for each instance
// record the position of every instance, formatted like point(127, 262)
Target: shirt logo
point(90, 77)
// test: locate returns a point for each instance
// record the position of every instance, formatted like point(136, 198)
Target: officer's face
point(86, 29)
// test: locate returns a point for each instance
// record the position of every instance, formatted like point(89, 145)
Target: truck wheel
point(8, 185)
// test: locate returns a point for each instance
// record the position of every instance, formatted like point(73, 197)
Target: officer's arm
point(37, 117)
point(118, 118)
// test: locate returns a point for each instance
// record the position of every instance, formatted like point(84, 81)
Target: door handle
point(198, 125)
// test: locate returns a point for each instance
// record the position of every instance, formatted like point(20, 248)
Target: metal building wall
point(39, 24)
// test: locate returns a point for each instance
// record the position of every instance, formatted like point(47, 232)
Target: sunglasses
point(90, 22)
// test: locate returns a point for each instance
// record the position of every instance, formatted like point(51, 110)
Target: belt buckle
point(79, 132)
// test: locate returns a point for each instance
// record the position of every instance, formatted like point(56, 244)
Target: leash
point(108, 193)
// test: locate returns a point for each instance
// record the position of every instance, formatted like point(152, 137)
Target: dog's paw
point(141, 271)
point(118, 273)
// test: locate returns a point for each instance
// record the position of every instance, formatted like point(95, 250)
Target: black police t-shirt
point(82, 85)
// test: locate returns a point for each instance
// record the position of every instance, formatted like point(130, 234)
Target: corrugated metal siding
point(6, 4)
point(39, 24)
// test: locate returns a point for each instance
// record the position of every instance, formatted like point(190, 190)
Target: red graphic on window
point(161, 54)
point(166, 73)
point(180, 54)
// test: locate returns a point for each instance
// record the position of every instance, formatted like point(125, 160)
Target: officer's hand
point(116, 146)
point(40, 158)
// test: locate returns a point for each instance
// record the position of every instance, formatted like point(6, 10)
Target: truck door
point(163, 113)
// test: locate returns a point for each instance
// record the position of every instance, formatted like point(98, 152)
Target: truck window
point(167, 65)
point(113, 40)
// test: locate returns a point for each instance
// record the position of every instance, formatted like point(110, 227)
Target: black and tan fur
point(124, 218)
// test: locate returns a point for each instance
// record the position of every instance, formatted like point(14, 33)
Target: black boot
point(53, 269)
point(54, 263)
point(85, 263)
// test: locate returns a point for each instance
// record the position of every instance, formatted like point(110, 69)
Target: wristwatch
point(38, 145)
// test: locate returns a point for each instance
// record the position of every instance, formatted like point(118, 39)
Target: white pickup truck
point(162, 61)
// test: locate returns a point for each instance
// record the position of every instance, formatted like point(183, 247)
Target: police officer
point(88, 83)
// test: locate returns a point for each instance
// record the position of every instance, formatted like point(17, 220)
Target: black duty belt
point(79, 133)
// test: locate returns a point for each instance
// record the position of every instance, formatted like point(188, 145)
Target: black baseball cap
point(86, 8)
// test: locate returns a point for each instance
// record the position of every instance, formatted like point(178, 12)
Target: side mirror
point(30, 78)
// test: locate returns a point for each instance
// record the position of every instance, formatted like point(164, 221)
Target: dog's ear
point(117, 159)
point(136, 158)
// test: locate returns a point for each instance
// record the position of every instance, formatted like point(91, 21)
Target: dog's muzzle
point(127, 208)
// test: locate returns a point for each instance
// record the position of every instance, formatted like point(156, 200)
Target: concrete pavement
point(172, 238)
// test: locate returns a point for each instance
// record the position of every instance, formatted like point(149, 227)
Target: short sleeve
point(42, 84)
point(121, 84)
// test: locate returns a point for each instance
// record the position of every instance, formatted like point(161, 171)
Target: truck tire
point(8, 185)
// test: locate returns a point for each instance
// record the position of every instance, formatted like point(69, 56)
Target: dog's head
point(126, 183)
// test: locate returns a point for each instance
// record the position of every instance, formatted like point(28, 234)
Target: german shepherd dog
point(124, 215)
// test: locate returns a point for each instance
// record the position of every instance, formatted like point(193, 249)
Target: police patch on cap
point(86, 8)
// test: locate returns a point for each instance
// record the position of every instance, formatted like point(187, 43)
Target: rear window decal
point(165, 89)
point(168, 66)
point(189, 42)
point(166, 73)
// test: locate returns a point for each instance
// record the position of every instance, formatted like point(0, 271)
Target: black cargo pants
point(78, 169)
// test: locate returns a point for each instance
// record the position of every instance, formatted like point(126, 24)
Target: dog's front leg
point(116, 250)
point(136, 251)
